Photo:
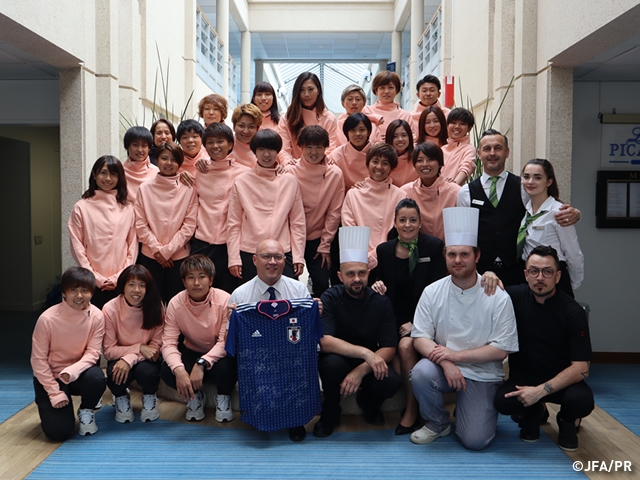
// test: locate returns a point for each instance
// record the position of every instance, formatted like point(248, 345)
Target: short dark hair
point(75, 277)
point(169, 125)
point(152, 309)
point(218, 130)
point(545, 251)
point(493, 131)
point(428, 79)
point(137, 133)
point(197, 262)
point(461, 115)
point(115, 168)
point(385, 151)
point(189, 126)
point(352, 122)
point(313, 135)
point(175, 150)
point(406, 203)
point(267, 138)
point(430, 150)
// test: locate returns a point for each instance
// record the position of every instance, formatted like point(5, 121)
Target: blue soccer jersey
point(276, 343)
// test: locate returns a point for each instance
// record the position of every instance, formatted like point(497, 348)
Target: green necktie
point(522, 232)
point(493, 193)
point(414, 256)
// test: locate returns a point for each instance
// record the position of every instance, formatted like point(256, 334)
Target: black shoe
point(567, 436)
point(374, 417)
point(402, 430)
point(297, 434)
point(324, 427)
point(530, 423)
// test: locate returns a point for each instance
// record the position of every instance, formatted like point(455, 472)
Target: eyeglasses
point(278, 257)
point(546, 272)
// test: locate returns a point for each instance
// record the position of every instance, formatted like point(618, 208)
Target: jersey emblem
point(294, 334)
point(293, 320)
point(256, 334)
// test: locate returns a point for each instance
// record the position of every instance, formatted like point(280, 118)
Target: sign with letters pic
point(620, 146)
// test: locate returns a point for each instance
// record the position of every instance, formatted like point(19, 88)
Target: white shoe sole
point(90, 430)
point(149, 415)
point(224, 416)
point(197, 415)
point(124, 417)
point(423, 440)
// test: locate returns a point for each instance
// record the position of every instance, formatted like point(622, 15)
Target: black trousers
point(249, 269)
point(59, 424)
point(576, 401)
point(219, 256)
point(333, 368)
point(100, 297)
point(168, 280)
point(223, 374)
point(146, 373)
point(319, 275)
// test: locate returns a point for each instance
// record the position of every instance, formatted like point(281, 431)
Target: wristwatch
point(202, 362)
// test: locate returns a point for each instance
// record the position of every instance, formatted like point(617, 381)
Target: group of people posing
point(170, 238)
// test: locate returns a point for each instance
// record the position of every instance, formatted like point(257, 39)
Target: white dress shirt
point(255, 290)
point(464, 196)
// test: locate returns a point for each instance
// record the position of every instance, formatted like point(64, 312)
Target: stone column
point(245, 68)
point(417, 27)
point(222, 27)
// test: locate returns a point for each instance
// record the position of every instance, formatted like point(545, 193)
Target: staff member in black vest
point(501, 200)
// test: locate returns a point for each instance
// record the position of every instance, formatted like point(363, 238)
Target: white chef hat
point(354, 244)
point(461, 226)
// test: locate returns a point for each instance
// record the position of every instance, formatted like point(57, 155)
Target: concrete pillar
point(129, 78)
point(189, 59)
point(558, 125)
point(417, 27)
point(396, 55)
point(222, 27)
point(396, 50)
point(523, 146)
point(259, 72)
point(73, 148)
point(503, 63)
point(245, 68)
point(446, 42)
point(107, 71)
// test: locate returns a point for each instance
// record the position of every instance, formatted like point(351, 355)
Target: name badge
point(475, 201)
point(538, 227)
point(424, 259)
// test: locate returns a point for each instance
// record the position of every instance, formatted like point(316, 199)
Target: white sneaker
point(195, 407)
point(223, 408)
point(87, 421)
point(124, 410)
point(424, 435)
point(98, 405)
point(149, 408)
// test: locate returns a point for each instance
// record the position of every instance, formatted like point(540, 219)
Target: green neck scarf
point(412, 246)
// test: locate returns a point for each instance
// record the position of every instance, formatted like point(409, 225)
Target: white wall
point(612, 262)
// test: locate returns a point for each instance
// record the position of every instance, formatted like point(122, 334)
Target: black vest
point(498, 228)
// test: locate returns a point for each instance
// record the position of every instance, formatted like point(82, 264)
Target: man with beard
point(463, 335)
point(360, 339)
point(554, 356)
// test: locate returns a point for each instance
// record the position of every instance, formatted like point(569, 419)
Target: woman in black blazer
point(406, 265)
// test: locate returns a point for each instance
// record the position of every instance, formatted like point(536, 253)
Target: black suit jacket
point(426, 271)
